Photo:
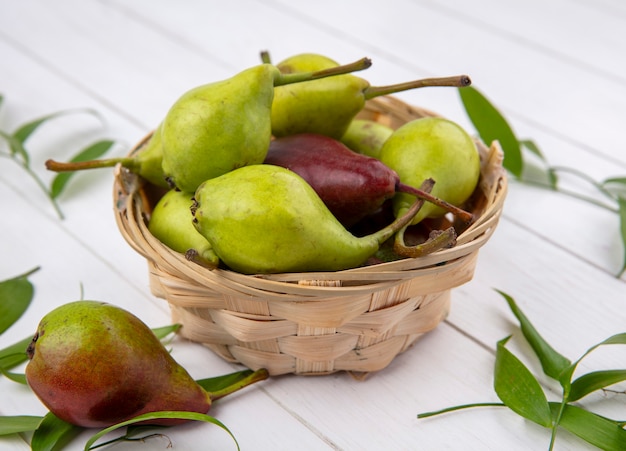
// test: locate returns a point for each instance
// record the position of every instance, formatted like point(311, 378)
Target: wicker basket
point(355, 320)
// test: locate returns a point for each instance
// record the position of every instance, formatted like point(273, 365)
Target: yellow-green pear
point(171, 223)
point(217, 127)
point(432, 148)
point(366, 137)
point(267, 219)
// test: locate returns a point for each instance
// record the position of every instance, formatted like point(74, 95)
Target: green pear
point(94, 365)
point(146, 163)
point(432, 148)
point(171, 223)
point(267, 219)
point(328, 106)
point(217, 127)
point(366, 137)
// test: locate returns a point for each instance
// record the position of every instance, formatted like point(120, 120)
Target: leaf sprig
point(17, 151)
point(491, 125)
point(521, 392)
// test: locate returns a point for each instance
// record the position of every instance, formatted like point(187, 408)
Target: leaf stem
point(461, 407)
point(571, 194)
point(39, 182)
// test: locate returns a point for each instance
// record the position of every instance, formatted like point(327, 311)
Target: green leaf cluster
point(17, 151)
point(520, 390)
point(491, 125)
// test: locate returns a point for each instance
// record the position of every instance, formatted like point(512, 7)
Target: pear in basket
point(351, 185)
point(171, 223)
point(366, 136)
point(434, 148)
point(215, 128)
point(328, 106)
point(267, 219)
point(145, 163)
point(94, 365)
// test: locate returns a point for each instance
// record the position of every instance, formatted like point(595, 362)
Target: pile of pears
point(272, 171)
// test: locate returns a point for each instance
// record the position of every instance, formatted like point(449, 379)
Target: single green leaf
point(621, 201)
point(159, 415)
point(91, 152)
point(15, 297)
point(19, 423)
point(215, 384)
point(53, 434)
point(491, 125)
point(552, 362)
point(516, 387)
point(615, 180)
point(26, 130)
point(162, 332)
point(566, 376)
point(533, 147)
point(590, 382)
point(599, 431)
point(460, 407)
point(15, 147)
point(15, 377)
point(15, 354)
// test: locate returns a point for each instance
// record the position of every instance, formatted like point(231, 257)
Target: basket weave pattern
point(355, 320)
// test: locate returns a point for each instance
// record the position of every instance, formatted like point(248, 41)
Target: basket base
point(355, 347)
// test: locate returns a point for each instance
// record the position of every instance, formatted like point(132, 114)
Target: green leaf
point(91, 152)
point(215, 384)
point(162, 332)
point(590, 382)
point(622, 227)
point(19, 423)
point(156, 416)
point(26, 130)
point(53, 434)
point(566, 376)
point(15, 297)
point(16, 147)
point(15, 377)
point(15, 354)
point(552, 362)
point(491, 125)
point(516, 387)
point(599, 431)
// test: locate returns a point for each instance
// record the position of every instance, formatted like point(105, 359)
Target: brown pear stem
point(458, 81)
point(405, 219)
point(296, 77)
point(265, 57)
point(58, 166)
point(439, 239)
point(463, 215)
point(256, 376)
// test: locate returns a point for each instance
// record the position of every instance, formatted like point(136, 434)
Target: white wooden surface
point(557, 71)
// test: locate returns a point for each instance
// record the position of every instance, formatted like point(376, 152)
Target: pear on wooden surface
point(171, 223)
point(217, 127)
point(94, 364)
point(268, 219)
point(328, 106)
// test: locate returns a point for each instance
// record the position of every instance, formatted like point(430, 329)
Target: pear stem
point(463, 215)
point(403, 221)
point(265, 57)
point(458, 81)
point(58, 166)
point(439, 239)
point(256, 376)
point(296, 77)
